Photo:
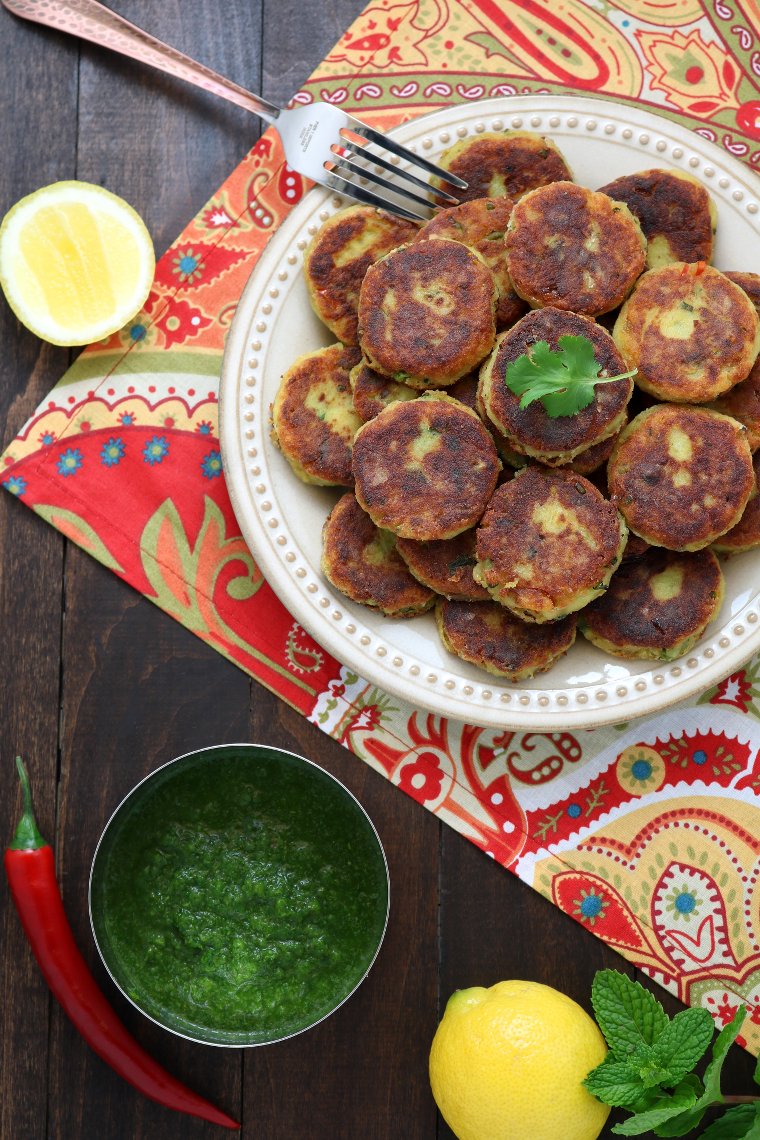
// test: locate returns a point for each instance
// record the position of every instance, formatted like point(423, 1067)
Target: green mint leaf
point(682, 1098)
point(646, 1062)
point(756, 1074)
point(615, 1083)
point(739, 1123)
point(681, 1125)
point(686, 1121)
point(628, 1015)
point(682, 1043)
point(723, 1043)
point(754, 1128)
point(710, 1094)
point(563, 379)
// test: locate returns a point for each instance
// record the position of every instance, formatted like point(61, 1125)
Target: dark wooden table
point(99, 687)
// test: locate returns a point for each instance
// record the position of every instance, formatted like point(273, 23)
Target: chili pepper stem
point(30, 868)
point(27, 836)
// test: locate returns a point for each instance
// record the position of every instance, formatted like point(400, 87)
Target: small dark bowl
point(239, 895)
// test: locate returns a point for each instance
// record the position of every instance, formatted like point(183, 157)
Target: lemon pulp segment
point(76, 262)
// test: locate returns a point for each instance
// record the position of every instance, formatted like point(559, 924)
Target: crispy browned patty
point(657, 606)
point(466, 391)
point(674, 210)
point(743, 403)
point(548, 542)
point(445, 566)
point(681, 475)
point(313, 417)
point(488, 635)
point(750, 283)
point(635, 546)
point(574, 249)
point(373, 392)
point(362, 562)
point(506, 451)
point(425, 469)
point(499, 164)
point(745, 535)
point(426, 313)
point(481, 224)
point(691, 333)
point(594, 458)
point(531, 430)
point(339, 255)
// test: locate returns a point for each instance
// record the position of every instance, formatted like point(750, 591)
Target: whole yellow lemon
point(507, 1063)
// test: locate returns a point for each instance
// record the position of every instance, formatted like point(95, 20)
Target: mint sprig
point(648, 1070)
point(742, 1122)
point(563, 379)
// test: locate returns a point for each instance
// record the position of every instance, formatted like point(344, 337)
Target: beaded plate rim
point(263, 491)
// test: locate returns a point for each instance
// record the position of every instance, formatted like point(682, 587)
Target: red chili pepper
point(30, 867)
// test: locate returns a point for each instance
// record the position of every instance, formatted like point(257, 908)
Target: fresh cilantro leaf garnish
point(563, 380)
point(648, 1070)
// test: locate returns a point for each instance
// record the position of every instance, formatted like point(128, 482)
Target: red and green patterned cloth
point(649, 833)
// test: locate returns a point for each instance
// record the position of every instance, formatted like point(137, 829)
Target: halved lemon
point(76, 262)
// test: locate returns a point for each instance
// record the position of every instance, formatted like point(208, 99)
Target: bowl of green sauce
point(239, 895)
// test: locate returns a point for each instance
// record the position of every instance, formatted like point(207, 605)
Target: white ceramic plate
point(281, 518)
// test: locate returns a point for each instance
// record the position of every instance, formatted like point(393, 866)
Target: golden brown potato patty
point(574, 249)
point(750, 283)
point(681, 475)
point(466, 391)
point(657, 606)
point(745, 535)
point(426, 313)
point(425, 469)
point(594, 458)
point(488, 635)
point(675, 212)
point(362, 562)
point(635, 546)
point(548, 543)
point(743, 403)
point(445, 566)
point(481, 224)
point(313, 417)
point(691, 333)
point(498, 164)
point(531, 430)
point(339, 255)
point(373, 392)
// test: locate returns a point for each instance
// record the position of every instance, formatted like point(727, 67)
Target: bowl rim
point(258, 747)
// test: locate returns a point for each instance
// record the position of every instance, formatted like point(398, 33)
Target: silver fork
point(320, 141)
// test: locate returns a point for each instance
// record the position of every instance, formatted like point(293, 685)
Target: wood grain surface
point(99, 687)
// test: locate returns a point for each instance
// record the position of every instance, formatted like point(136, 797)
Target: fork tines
point(403, 197)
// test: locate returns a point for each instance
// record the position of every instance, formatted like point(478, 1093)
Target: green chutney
point(239, 895)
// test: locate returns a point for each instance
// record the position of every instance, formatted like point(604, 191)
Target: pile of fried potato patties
point(519, 527)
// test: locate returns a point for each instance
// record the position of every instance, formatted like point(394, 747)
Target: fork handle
point(90, 20)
